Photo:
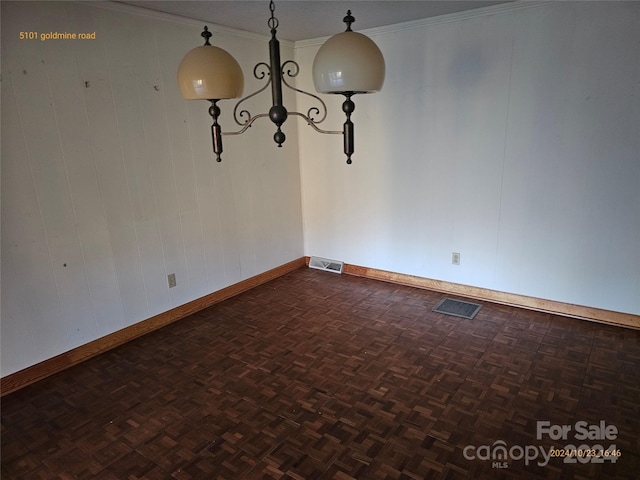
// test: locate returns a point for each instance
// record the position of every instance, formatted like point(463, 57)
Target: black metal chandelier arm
point(247, 124)
point(347, 132)
point(314, 125)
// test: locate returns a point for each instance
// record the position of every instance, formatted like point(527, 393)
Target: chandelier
point(348, 63)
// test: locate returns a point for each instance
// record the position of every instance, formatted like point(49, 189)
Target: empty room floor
point(322, 376)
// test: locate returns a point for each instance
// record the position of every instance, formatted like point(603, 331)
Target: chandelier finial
point(348, 20)
point(206, 34)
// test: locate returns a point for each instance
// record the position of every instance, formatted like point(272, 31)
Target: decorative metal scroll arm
point(291, 68)
point(347, 132)
point(248, 118)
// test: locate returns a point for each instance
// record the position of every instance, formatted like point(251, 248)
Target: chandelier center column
point(277, 113)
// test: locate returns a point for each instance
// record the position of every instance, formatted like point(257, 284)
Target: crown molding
point(500, 9)
point(177, 19)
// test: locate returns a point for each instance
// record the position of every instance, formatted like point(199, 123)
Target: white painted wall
point(109, 182)
point(511, 137)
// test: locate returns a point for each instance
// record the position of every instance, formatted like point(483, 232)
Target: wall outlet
point(455, 258)
point(172, 280)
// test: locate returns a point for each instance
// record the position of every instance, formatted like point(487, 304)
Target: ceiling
point(305, 19)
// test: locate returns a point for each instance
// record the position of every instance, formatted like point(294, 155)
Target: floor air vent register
point(326, 264)
point(457, 308)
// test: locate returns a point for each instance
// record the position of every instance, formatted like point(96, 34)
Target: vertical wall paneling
point(109, 183)
point(18, 339)
point(42, 172)
point(510, 136)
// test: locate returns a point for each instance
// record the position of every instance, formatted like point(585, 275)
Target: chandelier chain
point(273, 22)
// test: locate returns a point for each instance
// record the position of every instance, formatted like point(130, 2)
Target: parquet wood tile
point(320, 376)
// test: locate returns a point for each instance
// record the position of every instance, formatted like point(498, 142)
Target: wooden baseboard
point(46, 368)
point(522, 301)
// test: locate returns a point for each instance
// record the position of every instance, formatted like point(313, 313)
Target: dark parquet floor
point(321, 376)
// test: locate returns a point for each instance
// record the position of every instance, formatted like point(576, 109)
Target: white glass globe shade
point(348, 62)
point(210, 73)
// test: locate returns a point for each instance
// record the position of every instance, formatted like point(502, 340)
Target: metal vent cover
point(457, 308)
point(319, 263)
